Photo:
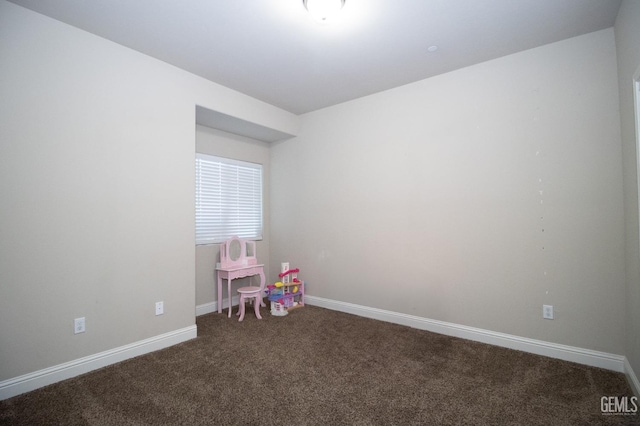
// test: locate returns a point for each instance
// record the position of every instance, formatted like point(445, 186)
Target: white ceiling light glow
point(323, 11)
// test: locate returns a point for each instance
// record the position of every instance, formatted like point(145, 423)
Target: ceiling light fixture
point(323, 10)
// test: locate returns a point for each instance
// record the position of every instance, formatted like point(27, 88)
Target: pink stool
point(248, 293)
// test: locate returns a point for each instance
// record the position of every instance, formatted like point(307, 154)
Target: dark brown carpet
point(321, 367)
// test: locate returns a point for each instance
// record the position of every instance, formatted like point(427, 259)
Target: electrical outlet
point(78, 325)
point(159, 308)
point(547, 311)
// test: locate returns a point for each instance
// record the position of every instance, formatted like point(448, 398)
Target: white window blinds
point(228, 199)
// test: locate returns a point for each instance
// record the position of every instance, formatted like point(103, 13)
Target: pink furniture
point(238, 260)
point(248, 293)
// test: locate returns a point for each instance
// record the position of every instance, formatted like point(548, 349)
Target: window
point(228, 199)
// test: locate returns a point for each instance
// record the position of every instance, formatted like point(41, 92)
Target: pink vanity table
point(237, 260)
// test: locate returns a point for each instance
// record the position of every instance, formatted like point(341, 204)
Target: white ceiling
point(273, 51)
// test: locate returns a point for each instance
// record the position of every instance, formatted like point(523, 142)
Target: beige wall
point(424, 199)
point(97, 150)
point(216, 142)
point(474, 197)
point(627, 32)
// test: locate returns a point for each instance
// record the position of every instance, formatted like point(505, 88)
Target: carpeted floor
point(321, 367)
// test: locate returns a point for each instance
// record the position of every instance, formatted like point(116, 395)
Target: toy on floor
point(290, 272)
point(286, 294)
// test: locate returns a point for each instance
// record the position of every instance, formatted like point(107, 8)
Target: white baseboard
point(568, 353)
point(47, 376)
point(632, 378)
point(207, 308)
point(28, 382)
